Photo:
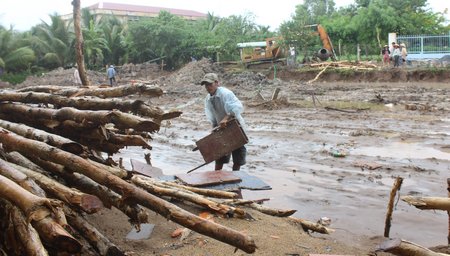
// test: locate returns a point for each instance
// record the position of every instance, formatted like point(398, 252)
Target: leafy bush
point(14, 78)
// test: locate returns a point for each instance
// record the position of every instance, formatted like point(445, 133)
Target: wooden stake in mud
point(448, 212)
point(314, 98)
point(395, 188)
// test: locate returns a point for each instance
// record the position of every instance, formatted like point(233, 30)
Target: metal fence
point(426, 46)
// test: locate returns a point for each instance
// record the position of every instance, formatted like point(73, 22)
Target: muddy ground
point(337, 158)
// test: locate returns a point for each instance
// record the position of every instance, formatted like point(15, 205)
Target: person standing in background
point(396, 55)
point(111, 73)
point(76, 76)
point(385, 55)
point(404, 53)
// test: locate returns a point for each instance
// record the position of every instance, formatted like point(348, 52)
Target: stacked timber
point(361, 65)
point(53, 171)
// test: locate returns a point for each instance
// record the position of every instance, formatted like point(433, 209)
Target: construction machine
point(271, 51)
point(262, 52)
point(327, 50)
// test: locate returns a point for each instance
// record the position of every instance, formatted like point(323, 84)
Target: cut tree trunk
point(256, 204)
point(39, 211)
point(128, 140)
point(428, 203)
point(91, 135)
point(200, 191)
point(272, 211)
point(27, 234)
point(7, 170)
point(86, 103)
point(135, 212)
point(308, 225)
point(129, 191)
point(180, 194)
point(82, 201)
point(49, 138)
point(91, 234)
point(401, 247)
point(119, 119)
point(112, 92)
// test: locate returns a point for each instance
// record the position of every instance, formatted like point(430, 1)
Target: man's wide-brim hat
point(209, 78)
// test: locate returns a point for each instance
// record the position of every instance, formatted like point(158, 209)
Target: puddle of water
point(401, 150)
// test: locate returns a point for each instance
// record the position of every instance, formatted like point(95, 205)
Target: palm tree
point(53, 42)
point(14, 56)
point(94, 46)
point(115, 33)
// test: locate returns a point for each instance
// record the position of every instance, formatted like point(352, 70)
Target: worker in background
point(391, 55)
point(397, 55)
point(385, 55)
point(404, 53)
point(111, 73)
point(222, 105)
point(76, 76)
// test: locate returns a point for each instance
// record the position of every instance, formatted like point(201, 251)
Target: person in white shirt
point(396, 55)
point(76, 76)
point(221, 105)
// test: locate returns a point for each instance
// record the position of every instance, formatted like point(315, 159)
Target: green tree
point(301, 31)
point(237, 29)
point(14, 56)
point(52, 43)
point(94, 46)
point(115, 33)
point(165, 37)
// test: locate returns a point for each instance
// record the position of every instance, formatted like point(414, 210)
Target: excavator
point(327, 50)
point(271, 51)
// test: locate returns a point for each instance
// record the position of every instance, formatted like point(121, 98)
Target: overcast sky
point(23, 14)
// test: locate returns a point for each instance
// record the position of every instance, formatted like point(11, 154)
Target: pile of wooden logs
point(56, 166)
point(53, 142)
point(344, 65)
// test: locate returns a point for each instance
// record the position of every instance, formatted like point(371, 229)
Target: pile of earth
point(373, 75)
point(61, 77)
point(187, 78)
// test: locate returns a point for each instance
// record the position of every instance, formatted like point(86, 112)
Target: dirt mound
point(144, 71)
point(384, 75)
point(247, 79)
point(62, 77)
point(192, 73)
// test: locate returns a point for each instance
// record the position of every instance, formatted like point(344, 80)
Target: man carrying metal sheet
point(222, 105)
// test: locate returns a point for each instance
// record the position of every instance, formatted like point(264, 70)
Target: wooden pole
point(79, 41)
point(395, 188)
point(448, 212)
